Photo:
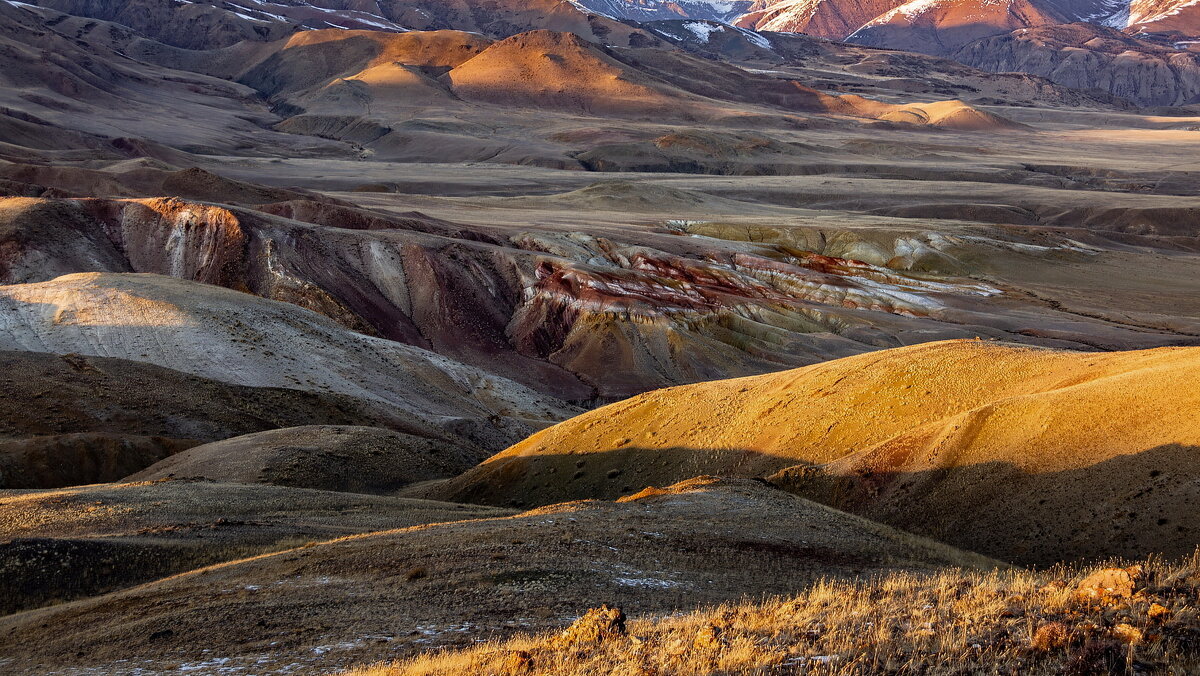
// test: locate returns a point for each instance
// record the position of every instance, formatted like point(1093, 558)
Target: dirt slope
point(62, 544)
point(71, 419)
point(1026, 454)
point(331, 458)
point(398, 592)
point(222, 334)
point(543, 69)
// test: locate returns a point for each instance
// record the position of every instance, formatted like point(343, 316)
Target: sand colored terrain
point(401, 591)
point(70, 543)
point(235, 337)
point(542, 69)
point(941, 114)
point(331, 458)
point(1026, 454)
point(71, 419)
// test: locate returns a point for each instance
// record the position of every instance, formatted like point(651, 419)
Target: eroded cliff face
point(578, 316)
point(1087, 56)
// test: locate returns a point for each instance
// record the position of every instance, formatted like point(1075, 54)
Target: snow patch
point(703, 30)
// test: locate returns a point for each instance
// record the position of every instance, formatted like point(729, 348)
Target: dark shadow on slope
point(1128, 506)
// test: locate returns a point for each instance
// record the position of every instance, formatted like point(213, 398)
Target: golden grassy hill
point(400, 592)
point(1026, 454)
point(61, 544)
point(957, 622)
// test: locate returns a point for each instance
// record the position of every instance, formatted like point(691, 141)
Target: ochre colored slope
point(558, 70)
point(911, 437)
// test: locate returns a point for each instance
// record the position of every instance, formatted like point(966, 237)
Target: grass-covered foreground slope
point(396, 593)
point(1087, 620)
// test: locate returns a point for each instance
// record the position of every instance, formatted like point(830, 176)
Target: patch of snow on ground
point(703, 30)
point(756, 38)
point(647, 582)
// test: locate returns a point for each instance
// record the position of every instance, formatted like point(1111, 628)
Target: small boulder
point(1158, 612)
point(596, 626)
point(1127, 634)
point(708, 637)
point(1108, 584)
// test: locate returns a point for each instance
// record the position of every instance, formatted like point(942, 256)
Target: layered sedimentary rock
point(1087, 56)
point(574, 315)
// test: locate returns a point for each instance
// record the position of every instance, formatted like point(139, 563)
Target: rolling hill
point(1028, 455)
point(398, 592)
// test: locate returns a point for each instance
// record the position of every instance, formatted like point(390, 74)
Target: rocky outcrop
point(1087, 56)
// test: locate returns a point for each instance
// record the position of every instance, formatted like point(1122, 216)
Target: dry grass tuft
point(952, 622)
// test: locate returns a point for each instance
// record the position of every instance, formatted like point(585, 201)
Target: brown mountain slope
point(71, 419)
point(329, 458)
point(1094, 57)
point(542, 69)
point(1026, 454)
point(505, 18)
point(217, 333)
point(364, 87)
point(73, 73)
point(942, 27)
point(314, 58)
point(1178, 19)
point(69, 543)
point(191, 25)
point(399, 592)
point(822, 18)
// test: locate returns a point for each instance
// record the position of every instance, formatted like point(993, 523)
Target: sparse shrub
point(1051, 636)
